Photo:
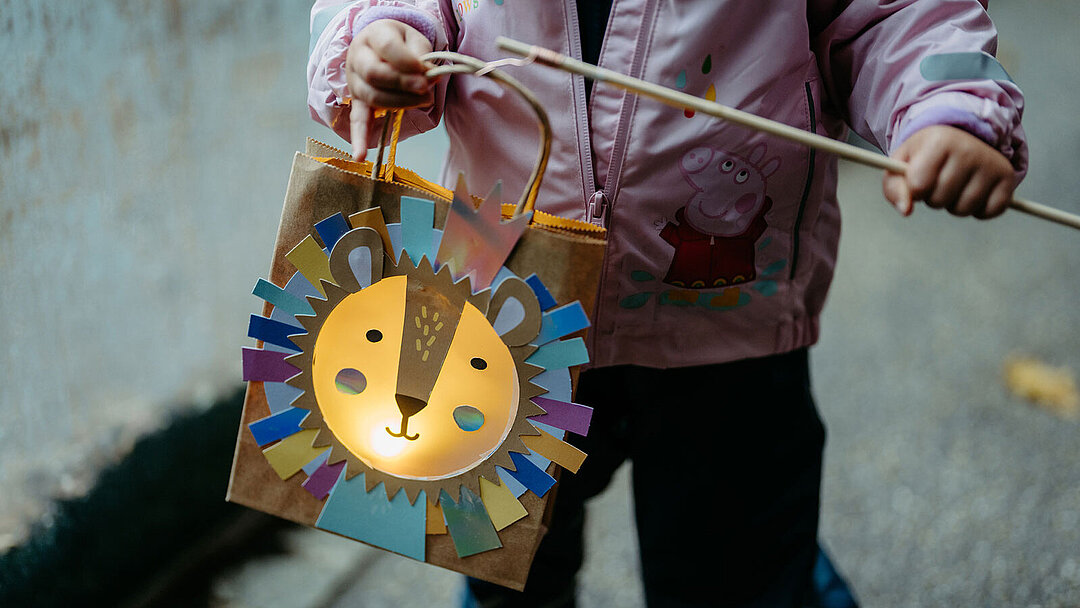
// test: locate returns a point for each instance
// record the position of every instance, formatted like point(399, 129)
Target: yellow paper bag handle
point(464, 64)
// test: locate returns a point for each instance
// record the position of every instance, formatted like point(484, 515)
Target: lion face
point(468, 411)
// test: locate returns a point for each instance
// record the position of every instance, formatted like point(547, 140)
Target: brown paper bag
point(566, 255)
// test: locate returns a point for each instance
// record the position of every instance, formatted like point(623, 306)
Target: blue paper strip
point(279, 396)
point(316, 462)
point(274, 332)
point(277, 426)
point(560, 322)
point(417, 219)
point(331, 229)
point(530, 475)
point(556, 382)
point(511, 484)
point(300, 287)
point(394, 525)
point(563, 353)
point(469, 524)
point(542, 294)
point(281, 299)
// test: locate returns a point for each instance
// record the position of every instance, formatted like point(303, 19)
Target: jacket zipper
point(573, 34)
point(604, 200)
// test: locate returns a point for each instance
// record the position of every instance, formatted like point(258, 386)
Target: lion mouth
point(404, 432)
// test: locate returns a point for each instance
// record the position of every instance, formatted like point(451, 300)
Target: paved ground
point(941, 489)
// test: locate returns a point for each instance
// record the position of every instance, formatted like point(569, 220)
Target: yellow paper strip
point(566, 455)
point(503, 508)
point(310, 260)
point(435, 522)
point(291, 454)
point(372, 218)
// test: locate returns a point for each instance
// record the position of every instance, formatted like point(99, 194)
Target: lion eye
point(374, 335)
point(478, 363)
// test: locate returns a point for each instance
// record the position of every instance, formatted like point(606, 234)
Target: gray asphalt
point(941, 489)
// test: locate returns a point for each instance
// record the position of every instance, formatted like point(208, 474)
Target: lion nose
point(409, 405)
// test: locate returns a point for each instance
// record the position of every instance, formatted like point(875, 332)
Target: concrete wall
point(144, 152)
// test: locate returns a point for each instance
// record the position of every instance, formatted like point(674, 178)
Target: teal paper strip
point(417, 219)
point(282, 299)
point(563, 353)
point(962, 66)
point(561, 322)
point(369, 517)
point(469, 524)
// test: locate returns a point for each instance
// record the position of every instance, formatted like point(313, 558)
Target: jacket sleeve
point(333, 26)
point(894, 67)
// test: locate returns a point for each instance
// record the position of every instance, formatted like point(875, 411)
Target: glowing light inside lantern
point(384, 444)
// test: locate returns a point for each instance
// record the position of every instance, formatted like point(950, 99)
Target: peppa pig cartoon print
point(714, 233)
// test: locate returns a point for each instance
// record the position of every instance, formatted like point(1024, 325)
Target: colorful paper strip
point(436, 524)
point(309, 468)
point(394, 525)
point(282, 299)
point(278, 426)
point(562, 453)
point(279, 396)
point(312, 262)
point(373, 218)
point(267, 366)
point(515, 486)
point(562, 353)
point(542, 294)
point(469, 524)
point(331, 229)
point(274, 332)
point(564, 415)
point(417, 219)
point(561, 322)
point(501, 504)
point(530, 475)
point(556, 382)
point(323, 479)
point(290, 455)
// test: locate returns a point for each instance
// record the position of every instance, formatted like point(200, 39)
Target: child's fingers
point(998, 201)
point(896, 191)
point(359, 119)
point(384, 98)
point(389, 43)
point(950, 183)
point(381, 75)
point(924, 166)
point(973, 197)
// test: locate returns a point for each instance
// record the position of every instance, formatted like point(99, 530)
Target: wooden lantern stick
point(685, 101)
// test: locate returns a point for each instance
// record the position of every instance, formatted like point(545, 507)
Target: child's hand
point(952, 169)
point(383, 70)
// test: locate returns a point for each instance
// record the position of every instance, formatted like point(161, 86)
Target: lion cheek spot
point(350, 381)
point(468, 418)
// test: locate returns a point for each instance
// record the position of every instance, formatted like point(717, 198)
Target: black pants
point(726, 473)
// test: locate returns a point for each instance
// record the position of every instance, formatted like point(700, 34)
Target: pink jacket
point(722, 241)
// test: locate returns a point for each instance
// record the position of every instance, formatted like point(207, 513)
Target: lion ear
point(357, 259)
point(514, 312)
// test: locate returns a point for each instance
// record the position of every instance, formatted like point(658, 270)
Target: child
point(722, 240)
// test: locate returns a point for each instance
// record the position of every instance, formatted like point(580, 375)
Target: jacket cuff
point(414, 18)
point(976, 115)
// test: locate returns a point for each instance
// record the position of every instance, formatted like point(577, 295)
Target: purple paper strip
point(564, 415)
point(267, 366)
point(323, 479)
